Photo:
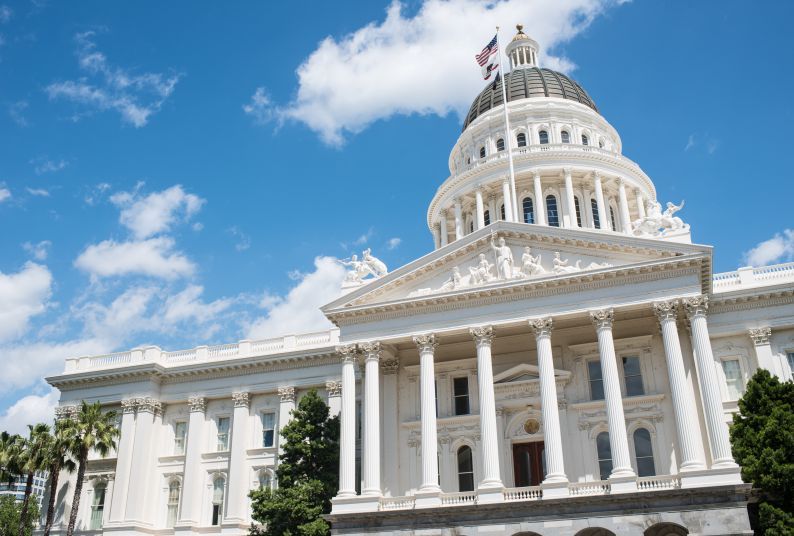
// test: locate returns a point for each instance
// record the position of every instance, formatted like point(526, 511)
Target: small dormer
point(522, 50)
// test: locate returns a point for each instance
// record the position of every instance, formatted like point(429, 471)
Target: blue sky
point(184, 173)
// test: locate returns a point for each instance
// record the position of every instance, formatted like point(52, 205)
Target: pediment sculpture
point(658, 223)
point(368, 267)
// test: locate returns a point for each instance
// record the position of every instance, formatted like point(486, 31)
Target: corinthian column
point(552, 436)
point(686, 424)
point(540, 202)
point(479, 208)
point(763, 351)
point(491, 478)
point(569, 199)
point(616, 421)
point(459, 219)
point(625, 219)
point(238, 469)
point(507, 200)
point(124, 461)
point(427, 395)
point(347, 436)
point(372, 352)
point(192, 480)
point(603, 217)
point(721, 456)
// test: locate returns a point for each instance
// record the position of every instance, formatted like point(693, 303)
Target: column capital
point(602, 319)
point(536, 175)
point(665, 310)
point(696, 306)
point(426, 342)
point(287, 393)
point(197, 404)
point(68, 412)
point(760, 336)
point(390, 365)
point(541, 326)
point(371, 350)
point(566, 171)
point(597, 176)
point(334, 387)
point(127, 406)
point(240, 399)
point(148, 405)
point(347, 353)
point(482, 335)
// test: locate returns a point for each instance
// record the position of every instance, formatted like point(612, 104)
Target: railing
point(532, 493)
point(111, 360)
point(749, 277)
point(397, 503)
point(267, 345)
point(599, 487)
point(180, 355)
point(649, 483)
point(461, 497)
point(222, 350)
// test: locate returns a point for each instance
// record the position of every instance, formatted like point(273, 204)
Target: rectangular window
point(632, 375)
point(223, 434)
point(460, 393)
point(268, 429)
point(733, 377)
point(98, 508)
point(596, 381)
point(180, 433)
point(790, 357)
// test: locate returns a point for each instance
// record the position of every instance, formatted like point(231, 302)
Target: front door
point(529, 466)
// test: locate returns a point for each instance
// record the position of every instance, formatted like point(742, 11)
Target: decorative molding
point(128, 405)
point(483, 335)
point(197, 404)
point(696, 306)
point(371, 350)
point(287, 393)
point(68, 412)
point(426, 342)
point(541, 326)
point(390, 365)
point(241, 400)
point(333, 387)
point(148, 405)
point(760, 336)
point(347, 352)
point(602, 319)
point(665, 310)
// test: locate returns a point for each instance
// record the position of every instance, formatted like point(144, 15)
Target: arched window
point(218, 488)
point(521, 140)
point(502, 211)
point(578, 211)
point(643, 452)
point(482, 152)
point(551, 211)
point(585, 140)
point(566, 138)
point(596, 217)
point(487, 217)
point(600, 144)
point(98, 506)
point(612, 219)
point(544, 137)
point(500, 144)
point(666, 529)
point(529, 210)
point(604, 455)
point(471, 226)
point(468, 160)
point(265, 479)
point(173, 503)
point(465, 469)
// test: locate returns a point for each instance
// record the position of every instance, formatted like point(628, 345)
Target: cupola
point(522, 50)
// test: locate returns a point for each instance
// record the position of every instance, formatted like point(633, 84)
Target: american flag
point(487, 59)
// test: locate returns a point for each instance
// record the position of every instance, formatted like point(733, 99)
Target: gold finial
point(520, 28)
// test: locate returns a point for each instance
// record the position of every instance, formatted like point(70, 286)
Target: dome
point(528, 83)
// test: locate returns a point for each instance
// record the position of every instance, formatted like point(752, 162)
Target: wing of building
point(563, 363)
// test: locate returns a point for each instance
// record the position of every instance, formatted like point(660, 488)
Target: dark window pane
point(596, 218)
point(503, 211)
point(460, 389)
point(465, 470)
point(578, 211)
point(604, 455)
point(529, 210)
point(521, 140)
point(633, 376)
point(551, 211)
point(644, 452)
point(596, 382)
point(543, 136)
point(482, 152)
point(500, 144)
point(566, 138)
point(585, 141)
point(487, 217)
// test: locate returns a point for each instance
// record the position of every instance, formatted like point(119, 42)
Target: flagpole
point(508, 135)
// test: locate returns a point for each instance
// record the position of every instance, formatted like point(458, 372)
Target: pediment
point(540, 255)
point(525, 372)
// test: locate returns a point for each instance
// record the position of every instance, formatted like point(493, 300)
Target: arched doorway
point(665, 529)
point(595, 531)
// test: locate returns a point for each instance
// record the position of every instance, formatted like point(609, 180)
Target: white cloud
point(23, 295)
point(5, 194)
point(96, 193)
point(38, 251)
point(420, 64)
point(690, 142)
point(155, 213)
point(42, 165)
point(5, 14)
point(778, 248)
point(153, 257)
point(17, 113)
point(187, 305)
point(135, 96)
point(260, 107)
point(38, 192)
point(393, 243)
point(30, 409)
point(299, 310)
point(243, 241)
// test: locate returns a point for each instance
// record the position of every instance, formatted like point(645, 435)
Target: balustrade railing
point(649, 483)
point(461, 497)
point(599, 487)
point(754, 277)
point(531, 493)
point(397, 503)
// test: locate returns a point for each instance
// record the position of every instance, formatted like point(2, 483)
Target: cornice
point(755, 298)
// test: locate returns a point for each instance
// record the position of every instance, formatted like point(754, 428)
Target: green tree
point(57, 459)
point(307, 475)
point(8, 456)
point(762, 439)
point(90, 429)
point(31, 455)
point(10, 513)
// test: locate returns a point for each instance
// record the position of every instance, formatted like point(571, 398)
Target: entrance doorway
point(529, 465)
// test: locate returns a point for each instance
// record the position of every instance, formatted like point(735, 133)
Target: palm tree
point(91, 429)
point(58, 459)
point(31, 458)
point(8, 456)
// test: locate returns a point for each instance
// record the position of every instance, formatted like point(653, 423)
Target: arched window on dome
point(543, 136)
point(482, 152)
point(468, 160)
point(521, 140)
point(596, 217)
point(551, 211)
point(500, 144)
point(471, 226)
point(465, 469)
point(502, 211)
point(600, 144)
point(529, 210)
point(174, 489)
point(643, 453)
point(604, 455)
point(487, 217)
point(612, 218)
point(566, 138)
point(578, 211)
point(585, 140)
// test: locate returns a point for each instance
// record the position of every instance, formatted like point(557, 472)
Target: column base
point(354, 504)
point(555, 488)
point(488, 494)
point(711, 477)
point(427, 498)
point(623, 483)
point(692, 467)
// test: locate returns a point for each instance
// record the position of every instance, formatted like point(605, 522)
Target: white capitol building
point(565, 362)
